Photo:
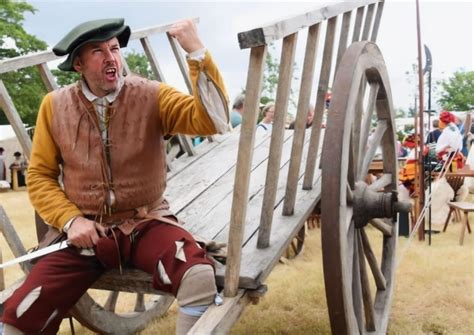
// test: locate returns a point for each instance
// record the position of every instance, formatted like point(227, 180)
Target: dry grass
point(434, 291)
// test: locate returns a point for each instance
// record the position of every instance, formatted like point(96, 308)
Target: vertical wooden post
point(378, 19)
point(47, 77)
point(421, 186)
point(320, 103)
point(368, 22)
point(14, 173)
point(6, 104)
point(183, 67)
point(346, 23)
point(150, 54)
point(243, 166)
point(358, 24)
point(278, 129)
point(301, 117)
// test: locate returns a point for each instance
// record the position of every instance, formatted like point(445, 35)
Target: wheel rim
point(104, 319)
point(348, 203)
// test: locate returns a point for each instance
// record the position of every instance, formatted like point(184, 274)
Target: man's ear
point(77, 65)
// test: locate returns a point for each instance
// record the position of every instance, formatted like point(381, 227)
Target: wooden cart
point(255, 191)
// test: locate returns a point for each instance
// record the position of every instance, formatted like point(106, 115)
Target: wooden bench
point(466, 208)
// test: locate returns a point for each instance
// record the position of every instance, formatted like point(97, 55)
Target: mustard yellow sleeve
point(44, 190)
point(186, 114)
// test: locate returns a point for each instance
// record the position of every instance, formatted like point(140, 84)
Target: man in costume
point(104, 135)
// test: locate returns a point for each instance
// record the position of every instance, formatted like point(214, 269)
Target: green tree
point(64, 78)
point(138, 63)
point(270, 79)
point(400, 113)
point(24, 86)
point(457, 92)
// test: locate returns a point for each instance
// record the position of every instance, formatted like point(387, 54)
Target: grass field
point(434, 292)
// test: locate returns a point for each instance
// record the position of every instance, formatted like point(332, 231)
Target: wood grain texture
point(281, 111)
point(276, 30)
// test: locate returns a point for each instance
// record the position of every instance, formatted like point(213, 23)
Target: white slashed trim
point(8, 292)
point(28, 301)
point(214, 104)
point(163, 275)
point(180, 251)
point(53, 315)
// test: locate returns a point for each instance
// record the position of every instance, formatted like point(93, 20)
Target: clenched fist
point(185, 32)
point(84, 233)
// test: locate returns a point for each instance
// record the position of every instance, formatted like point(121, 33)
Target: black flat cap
point(90, 31)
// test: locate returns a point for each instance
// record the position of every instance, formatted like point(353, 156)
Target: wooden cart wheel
point(296, 245)
point(104, 318)
point(349, 204)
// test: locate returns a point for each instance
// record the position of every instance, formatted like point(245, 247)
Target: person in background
point(450, 141)
point(309, 118)
point(407, 173)
point(106, 135)
point(460, 126)
point(431, 141)
point(237, 111)
point(3, 167)
point(435, 133)
point(401, 150)
point(268, 112)
point(18, 166)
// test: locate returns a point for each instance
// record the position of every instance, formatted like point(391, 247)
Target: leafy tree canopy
point(12, 15)
point(138, 63)
point(457, 92)
point(24, 86)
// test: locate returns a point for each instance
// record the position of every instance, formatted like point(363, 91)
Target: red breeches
point(58, 280)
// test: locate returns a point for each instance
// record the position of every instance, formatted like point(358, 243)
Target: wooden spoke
point(140, 303)
point(367, 121)
point(380, 281)
point(111, 302)
point(349, 219)
point(374, 144)
point(366, 295)
point(385, 228)
point(382, 182)
point(349, 194)
point(356, 127)
point(357, 287)
point(293, 246)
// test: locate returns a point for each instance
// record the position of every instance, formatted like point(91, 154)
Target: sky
point(446, 28)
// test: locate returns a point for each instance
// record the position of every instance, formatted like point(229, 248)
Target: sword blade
point(36, 254)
